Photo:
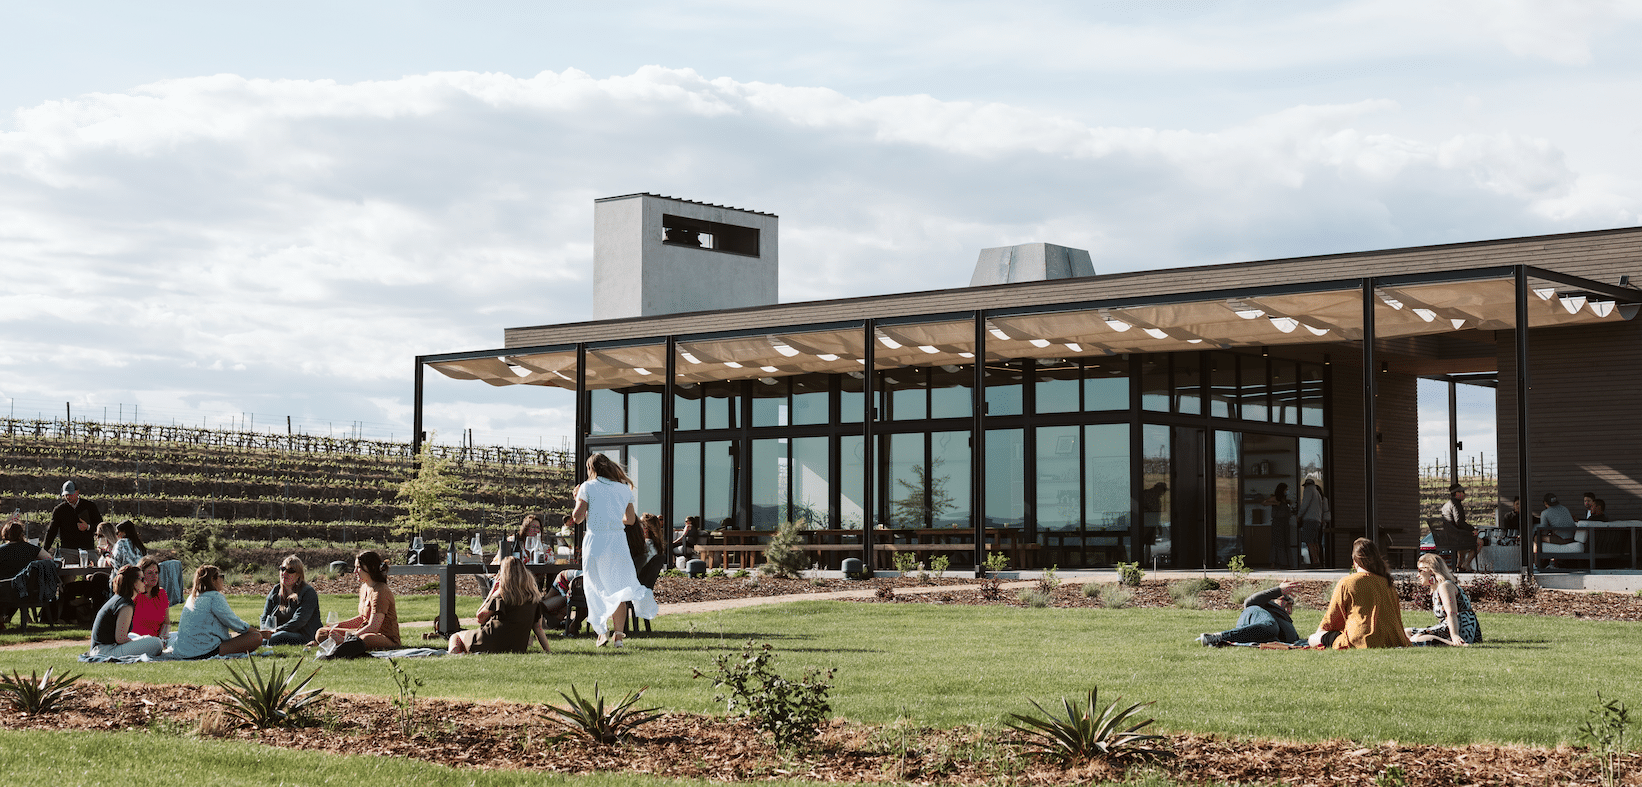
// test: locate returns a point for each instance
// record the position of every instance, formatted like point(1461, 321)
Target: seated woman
point(531, 525)
point(377, 623)
point(111, 633)
point(290, 616)
point(1364, 611)
point(208, 627)
point(1456, 623)
point(128, 546)
point(510, 614)
point(152, 615)
point(1265, 618)
point(685, 545)
point(105, 544)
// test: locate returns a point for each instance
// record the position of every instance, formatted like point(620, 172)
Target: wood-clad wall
point(1585, 416)
point(1396, 463)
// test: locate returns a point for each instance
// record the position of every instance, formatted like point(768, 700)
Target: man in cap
point(1465, 537)
point(74, 521)
point(1265, 618)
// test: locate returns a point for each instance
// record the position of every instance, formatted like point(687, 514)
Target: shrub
point(1032, 598)
point(1189, 602)
point(1241, 592)
point(995, 562)
point(1238, 565)
point(905, 562)
point(404, 705)
point(672, 572)
point(1086, 733)
point(268, 701)
point(1130, 574)
point(784, 556)
point(199, 543)
point(719, 573)
point(591, 720)
point(1190, 588)
point(1115, 596)
point(37, 693)
point(1049, 581)
point(740, 573)
point(940, 564)
point(1091, 589)
point(1605, 733)
point(790, 712)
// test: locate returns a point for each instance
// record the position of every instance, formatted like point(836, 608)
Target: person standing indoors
point(605, 503)
point(73, 522)
point(1465, 538)
point(1282, 523)
point(1313, 515)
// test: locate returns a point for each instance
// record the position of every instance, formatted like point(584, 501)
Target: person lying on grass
point(1364, 611)
point(377, 623)
point(1265, 618)
point(508, 616)
point(1456, 623)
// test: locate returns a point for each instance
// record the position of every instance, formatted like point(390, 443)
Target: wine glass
point(477, 548)
point(416, 550)
point(330, 620)
point(533, 544)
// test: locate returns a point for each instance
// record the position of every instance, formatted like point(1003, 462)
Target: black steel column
point(580, 444)
point(1453, 433)
point(1370, 431)
point(868, 465)
point(1526, 517)
point(669, 375)
point(416, 413)
point(977, 445)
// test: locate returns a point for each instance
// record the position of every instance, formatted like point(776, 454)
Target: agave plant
point(1087, 733)
point(37, 693)
point(590, 719)
point(268, 701)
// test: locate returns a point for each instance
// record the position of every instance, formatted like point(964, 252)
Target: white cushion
point(1581, 535)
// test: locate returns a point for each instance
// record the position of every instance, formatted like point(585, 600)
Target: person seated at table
point(128, 546)
point(106, 538)
point(1364, 611)
point(290, 615)
point(111, 633)
point(1556, 525)
point(1599, 511)
point(1266, 618)
point(377, 623)
point(152, 615)
point(650, 554)
point(208, 627)
point(15, 555)
point(685, 545)
point(515, 544)
point(508, 616)
point(1456, 623)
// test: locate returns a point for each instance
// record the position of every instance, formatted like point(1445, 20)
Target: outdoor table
point(449, 622)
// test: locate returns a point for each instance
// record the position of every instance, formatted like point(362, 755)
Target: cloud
point(280, 245)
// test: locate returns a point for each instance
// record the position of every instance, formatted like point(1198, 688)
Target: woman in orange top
point(1364, 611)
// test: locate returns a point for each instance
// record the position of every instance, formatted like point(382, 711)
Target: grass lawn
point(1531, 681)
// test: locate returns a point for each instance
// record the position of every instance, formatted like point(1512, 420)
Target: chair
point(37, 598)
point(1450, 543)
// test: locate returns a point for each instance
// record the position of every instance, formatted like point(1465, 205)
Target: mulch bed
point(510, 735)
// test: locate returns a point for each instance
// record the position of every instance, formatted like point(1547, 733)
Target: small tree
point(925, 499)
point(785, 557)
point(429, 496)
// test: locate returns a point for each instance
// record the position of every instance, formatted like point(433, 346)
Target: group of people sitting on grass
point(1363, 611)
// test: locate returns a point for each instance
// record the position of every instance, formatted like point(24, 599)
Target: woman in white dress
point(605, 503)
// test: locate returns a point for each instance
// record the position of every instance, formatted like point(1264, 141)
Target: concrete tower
point(1030, 262)
point(659, 255)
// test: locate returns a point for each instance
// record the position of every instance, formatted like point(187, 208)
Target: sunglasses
point(284, 570)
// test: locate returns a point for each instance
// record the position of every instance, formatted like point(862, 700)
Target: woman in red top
point(152, 615)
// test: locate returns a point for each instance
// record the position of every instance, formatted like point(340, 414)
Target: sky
point(224, 213)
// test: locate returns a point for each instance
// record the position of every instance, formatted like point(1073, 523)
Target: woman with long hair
point(1456, 623)
point(152, 615)
point(290, 616)
point(128, 546)
point(207, 626)
point(685, 545)
point(1282, 515)
point(111, 633)
point(508, 616)
point(377, 623)
point(531, 525)
point(1364, 611)
point(605, 502)
point(105, 540)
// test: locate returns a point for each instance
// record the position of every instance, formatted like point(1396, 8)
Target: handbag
point(351, 647)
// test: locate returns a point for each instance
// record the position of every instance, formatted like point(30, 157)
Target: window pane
point(851, 481)
point(907, 501)
point(717, 482)
point(722, 404)
point(1106, 384)
point(1003, 388)
point(687, 406)
point(811, 495)
point(1106, 494)
point(686, 481)
point(1228, 509)
point(1311, 394)
point(1057, 386)
point(1222, 384)
point(1059, 480)
point(644, 410)
point(607, 406)
point(1254, 387)
point(949, 479)
point(811, 399)
point(851, 396)
point(644, 467)
point(1156, 461)
point(1005, 478)
point(1188, 384)
point(1285, 391)
point(770, 507)
point(949, 388)
point(1154, 382)
point(769, 401)
point(906, 394)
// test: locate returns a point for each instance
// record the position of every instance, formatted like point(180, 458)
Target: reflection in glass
point(644, 409)
point(949, 479)
point(1222, 384)
point(811, 398)
point(1254, 387)
point(1005, 478)
point(607, 410)
point(1057, 385)
point(905, 392)
point(1059, 460)
point(686, 480)
point(1285, 391)
point(851, 397)
point(769, 481)
point(1188, 384)
point(721, 405)
point(718, 482)
point(1003, 388)
point(1106, 384)
point(851, 481)
point(1228, 510)
point(1155, 467)
point(769, 395)
point(1154, 382)
point(687, 407)
point(1106, 497)
point(949, 388)
point(644, 468)
point(904, 462)
point(1311, 394)
point(810, 490)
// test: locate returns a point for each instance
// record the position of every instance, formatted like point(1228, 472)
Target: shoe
point(602, 642)
point(617, 639)
point(1209, 640)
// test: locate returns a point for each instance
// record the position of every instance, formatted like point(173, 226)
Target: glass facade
point(1164, 458)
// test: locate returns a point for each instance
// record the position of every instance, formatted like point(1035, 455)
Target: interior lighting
point(1156, 333)
point(928, 349)
point(827, 357)
point(641, 370)
point(1039, 342)
point(732, 364)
